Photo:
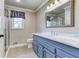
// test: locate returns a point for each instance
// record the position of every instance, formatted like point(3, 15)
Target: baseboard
point(18, 45)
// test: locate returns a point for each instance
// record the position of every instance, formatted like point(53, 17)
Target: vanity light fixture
point(18, 0)
point(53, 4)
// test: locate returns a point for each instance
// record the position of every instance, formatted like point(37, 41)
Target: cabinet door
point(48, 54)
point(63, 54)
point(35, 47)
point(40, 51)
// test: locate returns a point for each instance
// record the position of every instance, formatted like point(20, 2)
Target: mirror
point(60, 15)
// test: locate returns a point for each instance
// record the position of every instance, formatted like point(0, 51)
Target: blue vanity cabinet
point(46, 48)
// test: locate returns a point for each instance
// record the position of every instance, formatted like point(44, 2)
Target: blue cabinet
point(46, 48)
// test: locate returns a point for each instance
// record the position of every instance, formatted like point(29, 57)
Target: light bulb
point(51, 5)
point(56, 1)
point(18, 0)
point(48, 7)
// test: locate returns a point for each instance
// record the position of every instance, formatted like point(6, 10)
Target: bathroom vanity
point(47, 46)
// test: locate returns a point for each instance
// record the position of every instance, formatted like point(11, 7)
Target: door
point(2, 47)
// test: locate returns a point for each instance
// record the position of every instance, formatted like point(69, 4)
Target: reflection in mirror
point(60, 16)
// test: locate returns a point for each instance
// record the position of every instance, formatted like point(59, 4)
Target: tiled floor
point(21, 52)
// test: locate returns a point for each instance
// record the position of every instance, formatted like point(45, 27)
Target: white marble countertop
point(71, 41)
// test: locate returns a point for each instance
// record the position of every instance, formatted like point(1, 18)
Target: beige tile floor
point(21, 52)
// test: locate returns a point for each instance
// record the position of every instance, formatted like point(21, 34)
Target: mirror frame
point(72, 17)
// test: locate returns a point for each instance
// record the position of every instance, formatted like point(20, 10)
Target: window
point(17, 19)
point(17, 23)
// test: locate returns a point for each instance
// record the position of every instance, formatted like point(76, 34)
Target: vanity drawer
point(48, 54)
point(63, 54)
point(51, 48)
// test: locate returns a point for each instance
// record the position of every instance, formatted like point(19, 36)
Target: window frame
point(18, 28)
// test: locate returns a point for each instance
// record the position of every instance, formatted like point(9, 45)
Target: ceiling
point(28, 4)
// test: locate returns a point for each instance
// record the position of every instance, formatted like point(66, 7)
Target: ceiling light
point(18, 0)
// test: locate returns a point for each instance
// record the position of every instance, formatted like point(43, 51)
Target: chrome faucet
point(52, 32)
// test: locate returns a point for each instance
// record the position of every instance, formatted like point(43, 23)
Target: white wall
point(41, 27)
point(21, 36)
